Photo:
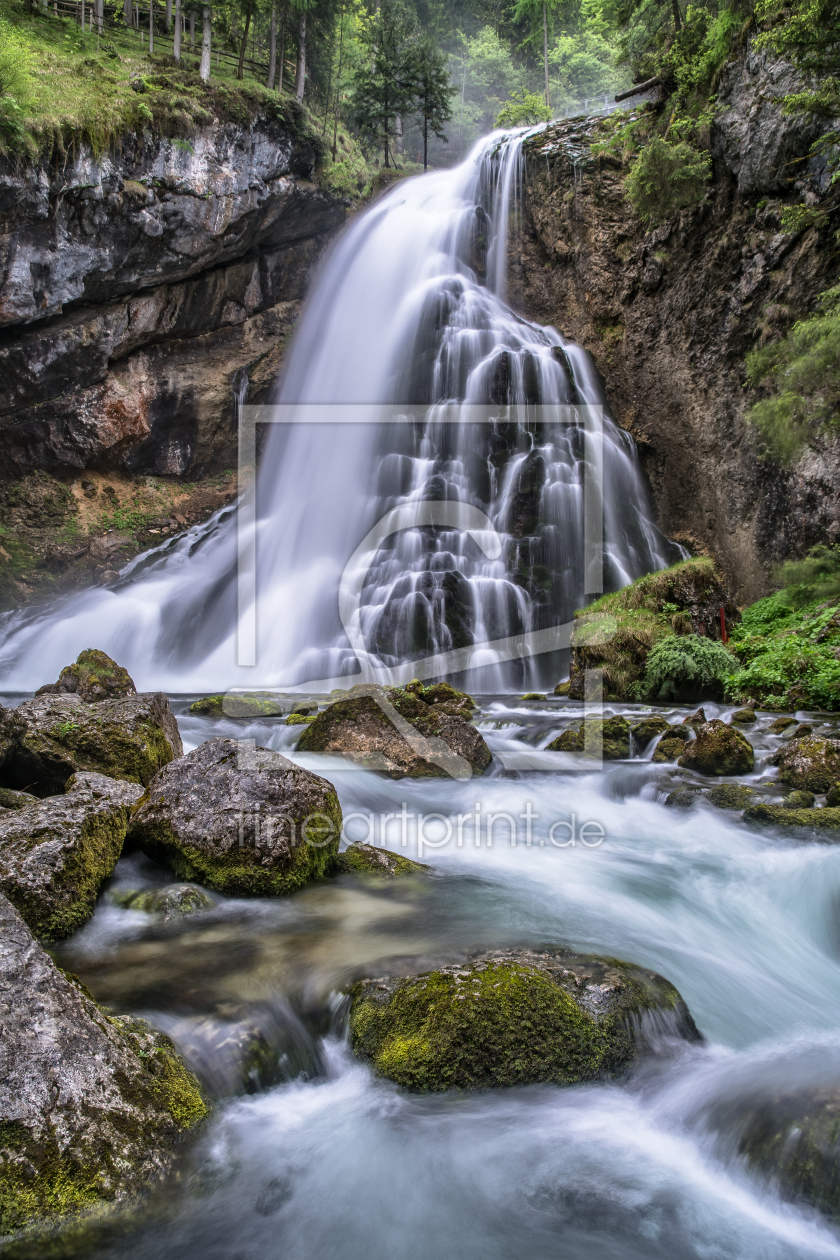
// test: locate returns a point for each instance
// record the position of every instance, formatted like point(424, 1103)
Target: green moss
point(382, 862)
point(94, 674)
point(59, 1185)
point(817, 819)
point(668, 750)
point(597, 737)
point(300, 719)
point(718, 749)
point(256, 704)
point(730, 796)
point(132, 751)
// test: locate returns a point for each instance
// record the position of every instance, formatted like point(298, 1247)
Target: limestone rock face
point(45, 740)
point(718, 749)
point(400, 734)
point(90, 1105)
point(55, 855)
point(511, 1018)
point(240, 820)
point(94, 676)
point(810, 763)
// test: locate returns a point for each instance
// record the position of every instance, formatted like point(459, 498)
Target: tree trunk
point(204, 68)
point(151, 26)
point(192, 31)
point(300, 77)
point(83, 17)
point(240, 73)
point(272, 48)
point(387, 117)
point(168, 17)
point(677, 18)
point(425, 138)
point(176, 47)
point(282, 51)
point(338, 87)
point(100, 15)
point(128, 12)
point(545, 51)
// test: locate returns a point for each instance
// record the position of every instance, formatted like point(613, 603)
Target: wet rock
point(730, 796)
point(16, 800)
point(781, 724)
point(241, 820)
point(683, 798)
point(45, 740)
point(416, 732)
point(597, 737)
point(718, 749)
point(743, 717)
point(832, 797)
point(512, 1018)
point(777, 815)
point(367, 857)
point(669, 749)
point(562, 689)
point(93, 677)
point(695, 719)
point(795, 1139)
point(55, 855)
point(300, 719)
point(810, 763)
point(90, 1105)
point(534, 695)
point(258, 704)
point(799, 799)
point(173, 902)
point(646, 730)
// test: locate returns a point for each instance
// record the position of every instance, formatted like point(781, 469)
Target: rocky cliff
point(669, 314)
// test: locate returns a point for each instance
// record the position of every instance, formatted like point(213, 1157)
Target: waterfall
point(408, 311)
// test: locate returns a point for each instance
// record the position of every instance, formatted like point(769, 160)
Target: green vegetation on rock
point(666, 178)
point(369, 859)
point(718, 749)
point(778, 815)
point(687, 668)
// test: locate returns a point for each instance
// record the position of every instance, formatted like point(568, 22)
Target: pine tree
point(432, 90)
point(385, 82)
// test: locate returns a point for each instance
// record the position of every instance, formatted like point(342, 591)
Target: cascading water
point(409, 312)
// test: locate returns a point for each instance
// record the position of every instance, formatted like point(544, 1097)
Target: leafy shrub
point(667, 177)
point(803, 372)
point(523, 109)
point(687, 668)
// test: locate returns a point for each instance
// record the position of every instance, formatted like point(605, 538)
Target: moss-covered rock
point(534, 695)
point(16, 800)
point(718, 749)
point(368, 858)
point(809, 762)
point(668, 749)
point(233, 705)
point(414, 731)
point(683, 798)
point(562, 689)
point(795, 1139)
point(300, 719)
point(91, 1105)
point(46, 740)
point(174, 901)
point(777, 815)
point(93, 677)
point(646, 730)
point(781, 724)
point(743, 717)
point(510, 1018)
point(240, 820)
point(55, 855)
point(596, 737)
point(799, 799)
point(731, 796)
point(832, 797)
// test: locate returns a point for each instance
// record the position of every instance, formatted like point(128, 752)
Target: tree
point(204, 68)
point(302, 7)
point(385, 87)
point(536, 10)
point(524, 109)
point(432, 89)
point(272, 48)
point(176, 46)
point(240, 73)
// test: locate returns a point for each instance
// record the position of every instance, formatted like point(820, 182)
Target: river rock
point(93, 677)
point(669, 749)
point(55, 855)
point(832, 797)
point(730, 796)
point(596, 737)
point(174, 901)
point(743, 717)
point(683, 797)
point(646, 730)
point(810, 763)
point(418, 733)
point(241, 820)
point(718, 749)
point(781, 724)
point(248, 705)
point(91, 1105)
point(376, 861)
point(45, 740)
point(512, 1018)
point(817, 819)
point(799, 799)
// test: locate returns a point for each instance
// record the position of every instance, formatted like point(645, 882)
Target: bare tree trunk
point(545, 51)
point(300, 77)
point(128, 12)
point(100, 15)
point(176, 47)
point(151, 26)
point(272, 48)
point(240, 73)
point(192, 31)
point(338, 86)
point(204, 68)
point(675, 8)
point(282, 51)
point(83, 17)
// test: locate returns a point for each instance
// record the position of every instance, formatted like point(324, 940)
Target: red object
point(723, 635)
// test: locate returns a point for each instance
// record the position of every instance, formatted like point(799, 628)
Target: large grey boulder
point(46, 740)
point(242, 820)
point(55, 855)
point(91, 1105)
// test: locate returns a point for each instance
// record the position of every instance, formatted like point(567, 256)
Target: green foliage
point(523, 110)
point(687, 667)
point(431, 90)
point(812, 580)
point(803, 373)
point(666, 178)
point(15, 85)
point(385, 84)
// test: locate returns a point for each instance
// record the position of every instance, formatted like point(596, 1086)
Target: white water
point(407, 311)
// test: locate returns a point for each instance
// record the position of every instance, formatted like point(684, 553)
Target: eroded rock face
point(94, 676)
point(810, 763)
point(90, 1105)
point(45, 740)
point(718, 749)
point(55, 855)
point(512, 1018)
point(400, 734)
point(243, 821)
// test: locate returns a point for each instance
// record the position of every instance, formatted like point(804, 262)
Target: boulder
point(669, 749)
point(817, 820)
point(730, 796)
point(174, 901)
point(718, 749)
point(781, 724)
point(597, 737)
point(300, 719)
point(695, 719)
point(91, 1105)
point(832, 797)
point(683, 798)
point(799, 799)
point(55, 855)
point(241, 820)
point(253, 705)
point(743, 717)
point(94, 677)
point(562, 689)
point(512, 1018)
point(16, 800)
point(810, 763)
point(417, 732)
point(376, 861)
point(646, 730)
point(534, 695)
point(46, 740)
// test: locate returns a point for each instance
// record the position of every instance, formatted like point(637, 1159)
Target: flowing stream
point(308, 1154)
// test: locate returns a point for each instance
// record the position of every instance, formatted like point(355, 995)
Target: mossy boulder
point(16, 800)
point(300, 719)
point(533, 695)
point(91, 1105)
point(511, 1018)
point(416, 731)
point(668, 749)
point(683, 798)
point(781, 724)
point(243, 821)
point(93, 677)
point(55, 855)
point(799, 799)
point(818, 820)
point(646, 730)
point(718, 749)
point(46, 740)
point(562, 689)
point(810, 762)
point(730, 796)
point(596, 737)
point(743, 717)
point(247, 705)
point(173, 902)
point(832, 797)
point(372, 860)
